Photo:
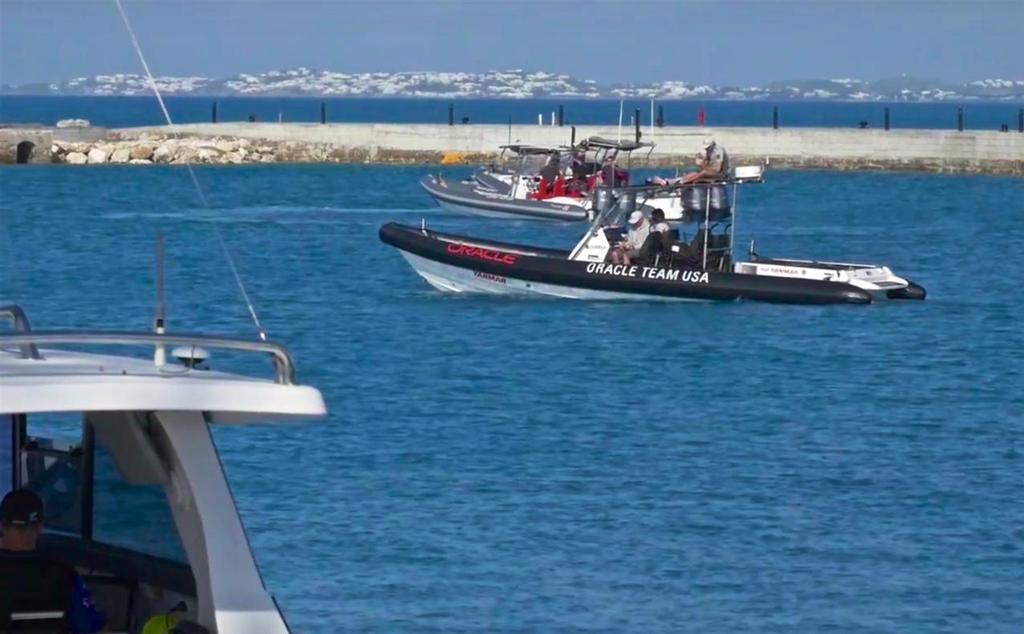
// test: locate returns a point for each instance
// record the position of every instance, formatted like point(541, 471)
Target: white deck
point(67, 381)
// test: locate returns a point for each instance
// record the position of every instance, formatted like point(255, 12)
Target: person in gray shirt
point(631, 248)
point(713, 163)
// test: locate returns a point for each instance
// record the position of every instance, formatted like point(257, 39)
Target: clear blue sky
point(611, 41)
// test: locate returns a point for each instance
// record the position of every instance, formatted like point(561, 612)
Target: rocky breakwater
point(126, 148)
point(165, 150)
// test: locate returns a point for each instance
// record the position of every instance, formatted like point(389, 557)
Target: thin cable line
point(191, 172)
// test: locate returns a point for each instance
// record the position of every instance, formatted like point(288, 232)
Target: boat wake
point(283, 214)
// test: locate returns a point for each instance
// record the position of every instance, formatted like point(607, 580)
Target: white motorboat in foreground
point(120, 450)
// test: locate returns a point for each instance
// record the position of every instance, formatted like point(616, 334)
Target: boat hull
point(468, 198)
point(460, 264)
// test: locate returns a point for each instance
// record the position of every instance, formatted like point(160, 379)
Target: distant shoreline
point(572, 99)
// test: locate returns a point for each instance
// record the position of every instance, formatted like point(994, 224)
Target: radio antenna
point(199, 190)
point(159, 327)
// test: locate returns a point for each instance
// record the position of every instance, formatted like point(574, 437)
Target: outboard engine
point(602, 200)
point(695, 201)
point(627, 202)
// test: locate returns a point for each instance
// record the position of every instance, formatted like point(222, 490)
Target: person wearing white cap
point(631, 248)
point(713, 162)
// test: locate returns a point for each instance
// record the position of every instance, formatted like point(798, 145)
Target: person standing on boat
point(21, 520)
point(632, 247)
point(552, 169)
point(713, 163)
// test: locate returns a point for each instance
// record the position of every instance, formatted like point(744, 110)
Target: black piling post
point(561, 116)
point(636, 124)
point(451, 114)
point(775, 117)
point(661, 117)
point(323, 112)
point(960, 119)
point(1020, 120)
point(887, 126)
point(572, 141)
point(213, 113)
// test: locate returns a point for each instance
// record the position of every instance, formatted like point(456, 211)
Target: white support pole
point(232, 596)
point(621, 103)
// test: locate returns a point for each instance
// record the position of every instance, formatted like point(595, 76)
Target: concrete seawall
point(931, 150)
point(825, 148)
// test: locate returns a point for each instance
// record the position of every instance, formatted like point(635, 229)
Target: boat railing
point(610, 200)
point(282, 360)
point(16, 315)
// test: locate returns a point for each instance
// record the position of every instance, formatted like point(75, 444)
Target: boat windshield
point(84, 492)
point(532, 163)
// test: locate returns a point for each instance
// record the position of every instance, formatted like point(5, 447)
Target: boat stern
point(877, 281)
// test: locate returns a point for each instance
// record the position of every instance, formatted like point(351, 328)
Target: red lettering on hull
point(482, 254)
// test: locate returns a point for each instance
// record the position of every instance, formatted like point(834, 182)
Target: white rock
point(140, 162)
point(76, 158)
point(225, 146)
point(208, 155)
point(142, 152)
point(184, 155)
point(97, 155)
point(163, 154)
point(121, 155)
point(73, 123)
point(233, 157)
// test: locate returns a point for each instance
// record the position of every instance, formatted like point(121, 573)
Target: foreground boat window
point(50, 461)
point(130, 516)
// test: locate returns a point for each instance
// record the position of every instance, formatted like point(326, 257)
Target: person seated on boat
point(632, 247)
point(658, 222)
point(578, 165)
point(548, 175)
point(576, 174)
point(713, 163)
point(551, 169)
point(28, 579)
point(611, 176)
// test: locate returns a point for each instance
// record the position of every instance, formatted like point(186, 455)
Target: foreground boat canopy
point(34, 379)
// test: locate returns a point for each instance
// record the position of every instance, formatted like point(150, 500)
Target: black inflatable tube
point(912, 291)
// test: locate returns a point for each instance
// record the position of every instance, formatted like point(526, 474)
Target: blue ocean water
point(143, 110)
point(512, 465)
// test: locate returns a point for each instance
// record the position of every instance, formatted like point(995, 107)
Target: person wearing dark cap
point(33, 583)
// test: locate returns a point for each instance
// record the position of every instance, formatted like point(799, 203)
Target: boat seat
point(543, 190)
point(559, 188)
point(117, 597)
point(662, 246)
